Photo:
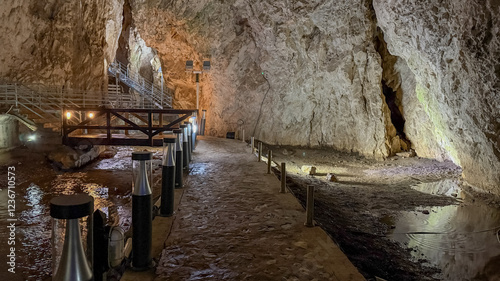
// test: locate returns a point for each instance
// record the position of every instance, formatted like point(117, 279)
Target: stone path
point(233, 224)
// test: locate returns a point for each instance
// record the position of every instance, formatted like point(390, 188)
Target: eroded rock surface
point(314, 74)
point(369, 77)
point(450, 63)
point(59, 42)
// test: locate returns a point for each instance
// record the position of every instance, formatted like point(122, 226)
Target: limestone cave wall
point(371, 77)
point(449, 59)
point(59, 42)
point(316, 73)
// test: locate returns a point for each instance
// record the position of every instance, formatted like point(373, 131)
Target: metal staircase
point(146, 89)
point(40, 106)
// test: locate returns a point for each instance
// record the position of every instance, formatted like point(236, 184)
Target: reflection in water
point(198, 168)
point(111, 192)
point(459, 239)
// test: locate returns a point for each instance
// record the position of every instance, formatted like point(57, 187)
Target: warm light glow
point(91, 115)
point(68, 115)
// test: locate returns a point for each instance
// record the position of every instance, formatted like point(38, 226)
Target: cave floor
point(399, 219)
point(233, 224)
point(388, 217)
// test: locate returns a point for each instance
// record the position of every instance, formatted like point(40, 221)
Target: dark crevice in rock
point(127, 23)
point(396, 116)
point(123, 41)
point(393, 93)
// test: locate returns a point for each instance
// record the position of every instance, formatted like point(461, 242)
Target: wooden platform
point(107, 124)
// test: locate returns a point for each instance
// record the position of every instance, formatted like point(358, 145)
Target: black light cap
point(177, 131)
point(169, 140)
point(204, 110)
point(141, 155)
point(183, 126)
point(71, 206)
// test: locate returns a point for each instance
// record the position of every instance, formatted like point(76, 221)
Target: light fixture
point(206, 65)
point(32, 137)
point(68, 115)
point(189, 65)
point(91, 114)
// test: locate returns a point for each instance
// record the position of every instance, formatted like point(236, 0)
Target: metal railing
point(147, 89)
point(43, 104)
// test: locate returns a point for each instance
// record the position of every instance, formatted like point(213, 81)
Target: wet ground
point(398, 219)
point(108, 180)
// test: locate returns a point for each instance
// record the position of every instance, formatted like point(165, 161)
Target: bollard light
point(185, 147)
point(190, 139)
point(72, 250)
point(142, 212)
point(178, 158)
point(203, 121)
point(168, 178)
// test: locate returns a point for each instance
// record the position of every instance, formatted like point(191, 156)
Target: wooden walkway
point(128, 127)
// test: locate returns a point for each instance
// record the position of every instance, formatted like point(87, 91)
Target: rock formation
point(59, 42)
point(369, 77)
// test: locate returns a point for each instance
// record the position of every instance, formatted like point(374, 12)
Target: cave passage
point(397, 118)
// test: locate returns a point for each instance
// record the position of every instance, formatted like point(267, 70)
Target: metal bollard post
point(168, 178)
point(283, 177)
point(142, 216)
point(310, 206)
point(203, 122)
point(269, 161)
point(252, 140)
point(185, 146)
point(243, 135)
point(190, 141)
point(179, 155)
point(260, 150)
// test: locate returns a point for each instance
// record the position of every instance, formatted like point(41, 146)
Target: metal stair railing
point(144, 87)
point(45, 103)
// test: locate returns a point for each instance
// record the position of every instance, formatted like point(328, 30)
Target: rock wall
point(449, 60)
point(9, 131)
point(59, 42)
point(369, 77)
point(312, 73)
point(292, 74)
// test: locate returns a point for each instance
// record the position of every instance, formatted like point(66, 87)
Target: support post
point(283, 177)
point(252, 144)
point(269, 161)
point(310, 206)
point(260, 150)
point(108, 125)
point(160, 122)
point(243, 135)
